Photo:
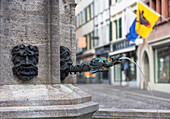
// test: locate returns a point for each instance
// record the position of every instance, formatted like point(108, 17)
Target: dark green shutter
point(116, 29)
point(90, 41)
point(85, 15)
point(120, 27)
point(110, 2)
point(81, 18)
point(90, 11)
point(110, 31)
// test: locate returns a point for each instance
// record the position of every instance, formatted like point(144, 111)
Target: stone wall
point(41, 23)
point(68, 28)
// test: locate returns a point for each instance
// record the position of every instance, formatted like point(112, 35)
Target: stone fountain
point(31, 33)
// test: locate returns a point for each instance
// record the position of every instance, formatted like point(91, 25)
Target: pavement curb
point(131, 113)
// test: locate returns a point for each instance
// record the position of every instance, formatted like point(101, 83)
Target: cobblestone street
point(116, 97)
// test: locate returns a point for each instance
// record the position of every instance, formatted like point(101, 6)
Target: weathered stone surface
point(39, 95)
point(79, 111)
point(34, 22)
point(35, 101)
point(46, 24)
point(67, 26)
point(132, 114)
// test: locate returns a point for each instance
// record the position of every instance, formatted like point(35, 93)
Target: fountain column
point(44, 25)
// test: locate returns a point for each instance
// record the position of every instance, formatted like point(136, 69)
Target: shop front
point(162, 67)
point(125, 72)
point(103, 77)
point(86, 77)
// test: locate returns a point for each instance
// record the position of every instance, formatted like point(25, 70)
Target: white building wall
point(117, 10)
point(81, 5)
point(86, 27)
point(101, 21)
point(121, 5)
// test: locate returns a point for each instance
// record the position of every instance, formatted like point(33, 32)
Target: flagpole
point(164, 18)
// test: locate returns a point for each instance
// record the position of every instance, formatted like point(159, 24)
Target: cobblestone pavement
point(116, 97)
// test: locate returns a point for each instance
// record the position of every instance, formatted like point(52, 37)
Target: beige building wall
point(117, 11)
point(86, 27)
point(159, 36)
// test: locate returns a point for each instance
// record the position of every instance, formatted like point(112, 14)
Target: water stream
point(150, 90)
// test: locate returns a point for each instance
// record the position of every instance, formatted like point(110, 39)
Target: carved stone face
point(25, 59)
point(65, 62)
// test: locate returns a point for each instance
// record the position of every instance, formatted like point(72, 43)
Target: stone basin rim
point(40, 95)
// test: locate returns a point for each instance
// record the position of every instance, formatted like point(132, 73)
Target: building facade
point(85, 28)
point(107, 38)
point(94, 26)
point(101, 32)
point(125, 72)
point(154, 53)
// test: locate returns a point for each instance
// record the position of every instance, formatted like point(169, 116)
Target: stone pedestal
point(62, 101)
point(47, 24)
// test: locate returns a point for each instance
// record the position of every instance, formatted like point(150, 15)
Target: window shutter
point(110, 31)
point(110, 2)
point(116, 29)
point(120, 27)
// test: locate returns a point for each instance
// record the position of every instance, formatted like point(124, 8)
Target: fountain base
point(61, 101)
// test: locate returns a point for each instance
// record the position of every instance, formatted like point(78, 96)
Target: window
point(168, 8)
point(110, 2)
point(117, 73)
point(79, 22)
point(154, 4)
point(105, 75)
point(118, 28)
point(89, 12)
point(92, 41)
point(162, 64)
point(92, 5)
point(82, 18)
point(85, 15)
point(77, 17)
point(132, 70)
point(96, 41)
point(161, 6)
point(117, 0)
point(88, 42)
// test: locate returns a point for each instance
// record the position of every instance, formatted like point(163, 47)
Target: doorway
point(146, 70)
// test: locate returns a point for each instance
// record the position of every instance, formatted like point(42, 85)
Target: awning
point(122, 51)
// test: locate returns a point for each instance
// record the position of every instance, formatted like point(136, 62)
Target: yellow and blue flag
point(146, 19)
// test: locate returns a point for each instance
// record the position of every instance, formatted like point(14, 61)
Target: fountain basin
point(34, 101)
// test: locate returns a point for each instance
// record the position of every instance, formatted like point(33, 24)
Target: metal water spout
point(98, 64)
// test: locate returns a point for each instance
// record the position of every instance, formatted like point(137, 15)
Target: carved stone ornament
point(65, 62)
point(25, 59)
